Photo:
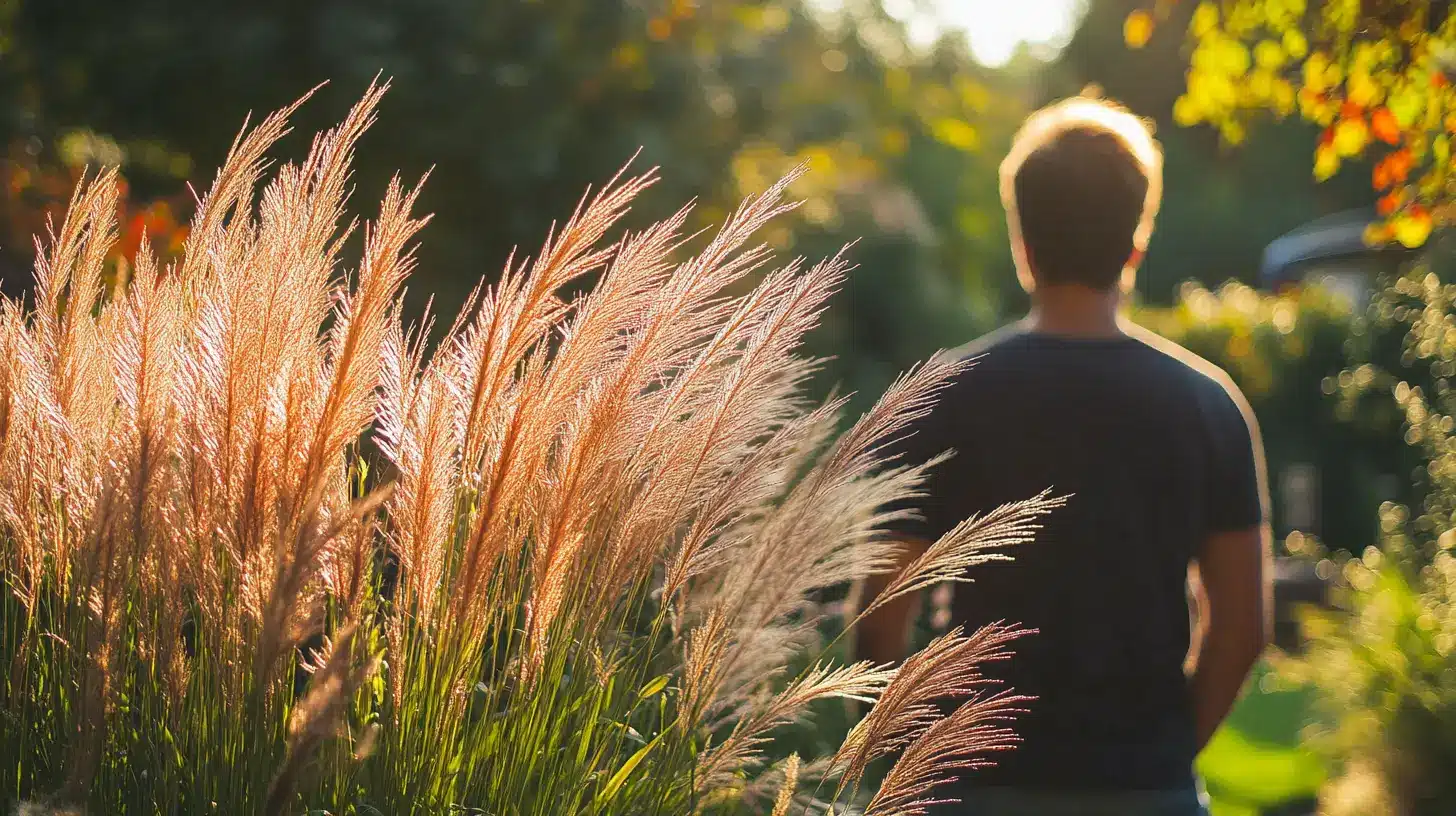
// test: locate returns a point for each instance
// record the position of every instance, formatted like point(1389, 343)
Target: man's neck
point(1070, 310)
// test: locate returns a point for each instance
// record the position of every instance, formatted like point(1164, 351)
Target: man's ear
point(1021, 254)
point(1129, 270)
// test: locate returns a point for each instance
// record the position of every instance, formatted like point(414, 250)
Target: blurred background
point(902, 111)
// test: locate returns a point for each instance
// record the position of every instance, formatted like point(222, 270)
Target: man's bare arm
point(1235, 573)
point(884, 636)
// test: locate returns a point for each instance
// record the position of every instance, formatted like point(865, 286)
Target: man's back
point(1155, 452)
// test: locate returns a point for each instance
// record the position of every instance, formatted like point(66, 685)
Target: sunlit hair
point(1081, 187)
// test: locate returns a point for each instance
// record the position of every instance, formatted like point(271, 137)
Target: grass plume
point(575, 583)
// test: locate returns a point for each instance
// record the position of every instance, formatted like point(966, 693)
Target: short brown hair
point(1081, 187)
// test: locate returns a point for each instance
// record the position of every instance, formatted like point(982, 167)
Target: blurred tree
point(518, 105)
point(40, 164)
point(1374, 76)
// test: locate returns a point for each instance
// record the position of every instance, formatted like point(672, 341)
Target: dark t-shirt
point(1156, 449)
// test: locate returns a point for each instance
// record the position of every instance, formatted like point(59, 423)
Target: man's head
point(1081, 186)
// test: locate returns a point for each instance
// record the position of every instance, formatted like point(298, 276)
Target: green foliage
point(1405, 364)
point(1276, 346)
point(1381, 665)
point(1384, 665)
point(1257, 760)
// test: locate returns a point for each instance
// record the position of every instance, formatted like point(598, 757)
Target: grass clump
point(602, 526)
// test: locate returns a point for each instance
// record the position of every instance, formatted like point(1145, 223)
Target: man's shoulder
point(986, 343)
point(1207, 380)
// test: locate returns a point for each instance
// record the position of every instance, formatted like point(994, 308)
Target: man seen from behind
point(1161, 461)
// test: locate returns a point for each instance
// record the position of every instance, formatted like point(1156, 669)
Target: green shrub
point(1383, 661)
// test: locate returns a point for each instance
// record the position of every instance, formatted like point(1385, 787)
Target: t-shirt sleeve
point(921, 517)
point(1238, 485)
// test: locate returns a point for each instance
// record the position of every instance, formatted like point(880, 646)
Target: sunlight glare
point(994, 28)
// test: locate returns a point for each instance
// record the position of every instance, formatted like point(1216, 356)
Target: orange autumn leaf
point(1388, 203)
point(1400, 163)
point(1137, 29)
point(1384, 126)
point(132, 235)
point(1350, 110)
point(682, 9)
point(157, 218)
point(1380, 175)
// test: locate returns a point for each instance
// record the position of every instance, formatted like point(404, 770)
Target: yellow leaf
point(1234, 58)
point(1197, 93)
point(1407, 105)
point(1283, 97)
point(1351, 136)
point(1295, 44)
point(1243, 18)
point(1212, 92)
point(1260, 85)
point(1233, 131)
point(1269, 54)
point(1326, 162)
point(1364, 56)
point(1205, 19)
point(956, 133)
point(1362, 90)
point(1441, 150)
point(1185, 111)
point(1137, 29)
point(1412, 230)
point(1314, 71)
